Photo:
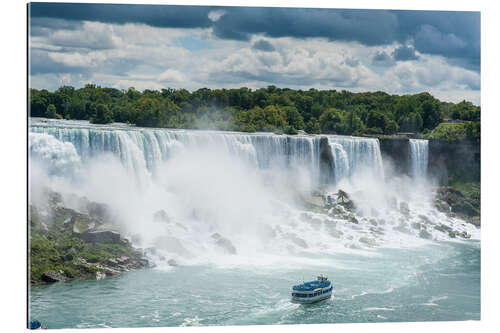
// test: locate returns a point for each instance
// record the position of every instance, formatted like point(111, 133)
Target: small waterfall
point(353, 154)
point(418, 158)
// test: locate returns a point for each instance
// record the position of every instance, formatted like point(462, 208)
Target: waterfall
point(354, 154)
point(141, 150)
point(418, 158)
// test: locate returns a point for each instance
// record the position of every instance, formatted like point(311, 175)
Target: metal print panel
point(196, 165)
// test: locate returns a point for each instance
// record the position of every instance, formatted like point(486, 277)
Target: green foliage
point(51, 112)
point(102, 115)
point(449, 132)
point(270, 109)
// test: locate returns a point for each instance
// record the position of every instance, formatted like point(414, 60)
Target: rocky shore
point(67, 244)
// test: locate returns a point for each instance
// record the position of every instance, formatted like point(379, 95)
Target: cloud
point(152, 15)
point(172, 75)
point(147, 57)
point(215, 15)
point(263, 45)
point(381, 58)
point(453, 35)
point(404, 53)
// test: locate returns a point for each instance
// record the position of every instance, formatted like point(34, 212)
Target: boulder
point(224, 243)
point(108, 237)
point(402, 227)
point(425, 219)
point(296, 240)
point(404, 208)
point(443, 228)
point(368, 241)
point(99, 211)
point(172, 262)
point(424, 234)
point(416, 225)
point(351, 218)
point(53, 276)
point(99, 275)
point(475, 220)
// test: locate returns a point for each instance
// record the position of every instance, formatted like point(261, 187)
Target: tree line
point(270, 109)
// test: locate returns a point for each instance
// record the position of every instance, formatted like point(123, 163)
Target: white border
point(13, 166)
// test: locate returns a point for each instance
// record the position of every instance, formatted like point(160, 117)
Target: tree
point(313, 126)
point(51, 112)
point(103, 115)
point(293, 117)
point(330, 120)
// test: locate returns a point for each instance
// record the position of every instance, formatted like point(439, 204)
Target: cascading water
point(235, 184)
point(142, 150)
point(418, 158)
point(354, 154)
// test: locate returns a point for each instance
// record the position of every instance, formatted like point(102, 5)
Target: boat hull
point(309, 300)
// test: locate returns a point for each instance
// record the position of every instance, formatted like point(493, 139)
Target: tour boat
point(312, 291)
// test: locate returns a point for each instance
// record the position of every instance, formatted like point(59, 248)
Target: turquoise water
point(438, 282)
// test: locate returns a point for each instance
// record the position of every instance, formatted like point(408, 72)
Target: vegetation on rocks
point(59, 251)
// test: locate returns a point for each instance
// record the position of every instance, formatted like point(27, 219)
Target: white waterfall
point(354, 154)
point(418, 158)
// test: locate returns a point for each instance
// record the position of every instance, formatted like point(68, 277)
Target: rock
point(172, 262)
point(424, 234)
point(108, 237)
point(443, 228)
point(373, 222)
point(452, 234)
point(368, 241)
point(99, 211)
point(161, 216)
point(297, 240)
point(52, 276)
point(224, 243)
point(378, 231)
point(351, 218)
point(112, 262)
point(402, 227)
point(465, 235)
point(54, 198)
point(416, 225)
point(475, 220)
point(404, 208)
point(425, 219)
point(80, 224)
point(123, 260)
point(99, 275)
point(339, 210)
point(442, 206)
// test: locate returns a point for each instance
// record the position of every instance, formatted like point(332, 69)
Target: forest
point(271, 109)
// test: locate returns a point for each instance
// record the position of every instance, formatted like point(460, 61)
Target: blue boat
point(312, 291)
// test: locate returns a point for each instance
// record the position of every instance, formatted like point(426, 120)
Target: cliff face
point(459, 161)
point(326, 162)
point(395, 151)
point(447, 160)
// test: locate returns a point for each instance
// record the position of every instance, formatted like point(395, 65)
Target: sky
point(192, 47)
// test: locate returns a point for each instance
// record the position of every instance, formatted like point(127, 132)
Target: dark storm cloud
point(153, 15)
point(454, 35)
point(403, 53)
point(263, 45)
